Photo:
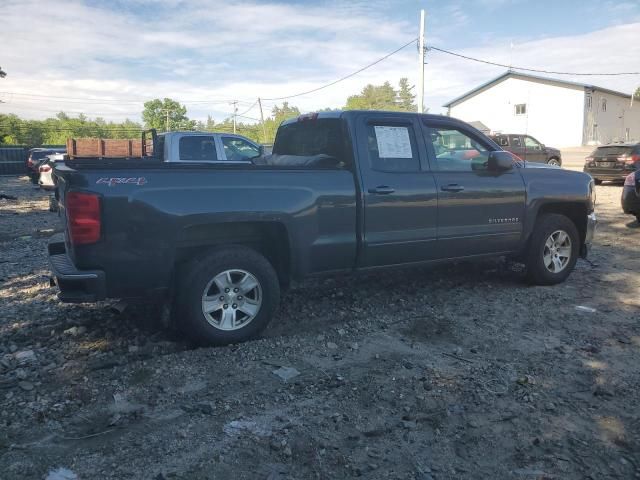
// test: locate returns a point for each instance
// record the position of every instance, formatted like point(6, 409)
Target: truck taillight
point(83, 217)
point(588, 160)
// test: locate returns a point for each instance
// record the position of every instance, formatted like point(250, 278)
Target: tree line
point(163, 113)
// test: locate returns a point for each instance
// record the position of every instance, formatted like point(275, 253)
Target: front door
point(534, 150)
point(479, 211)
point(399, 192)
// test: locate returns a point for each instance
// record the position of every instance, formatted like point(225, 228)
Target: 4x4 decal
point(111, 181)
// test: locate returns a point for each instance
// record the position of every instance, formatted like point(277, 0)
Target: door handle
point(382, 190)
point(452, 187)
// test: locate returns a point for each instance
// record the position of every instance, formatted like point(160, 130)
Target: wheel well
point(576, 212)
point(268, 238)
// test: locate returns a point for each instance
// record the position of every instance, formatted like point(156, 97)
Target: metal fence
point(13, 159)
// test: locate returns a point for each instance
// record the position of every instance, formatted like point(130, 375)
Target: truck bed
point(161, 210)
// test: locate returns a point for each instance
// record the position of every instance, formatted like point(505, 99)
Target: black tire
point(554, 161)
point(188, 313)
point(547, 224)
point(597, 181)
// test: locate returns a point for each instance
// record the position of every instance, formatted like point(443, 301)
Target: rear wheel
point(226, 296)
point(553, 250)
point(553, 161)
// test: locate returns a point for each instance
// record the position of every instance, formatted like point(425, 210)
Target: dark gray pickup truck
point(342, 191)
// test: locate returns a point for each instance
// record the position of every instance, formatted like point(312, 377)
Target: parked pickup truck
point(341, 192)
point(172, 147)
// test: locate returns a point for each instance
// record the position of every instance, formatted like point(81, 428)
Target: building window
point(589, 103)
point(594, 133)
point(604, 104)
point(521, 109)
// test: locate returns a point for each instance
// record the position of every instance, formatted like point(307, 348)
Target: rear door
point(479, 211)
point(399, 192)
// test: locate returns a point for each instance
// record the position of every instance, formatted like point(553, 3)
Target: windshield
point(614, 150)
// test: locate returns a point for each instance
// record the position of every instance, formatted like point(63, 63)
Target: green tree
point(405, 99)
point(384, 97)
point(636, 95)
point(156, 111)
point(373, 97)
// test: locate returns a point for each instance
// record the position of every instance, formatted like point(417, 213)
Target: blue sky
point(106, 58)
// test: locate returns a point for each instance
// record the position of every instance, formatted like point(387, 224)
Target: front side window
point(456, 151)
point(238, 149)
point(198, 148)
point(531, 143)
point(392, 148)
point(521, 109)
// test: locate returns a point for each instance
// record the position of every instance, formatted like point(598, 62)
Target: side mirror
point(500, 161)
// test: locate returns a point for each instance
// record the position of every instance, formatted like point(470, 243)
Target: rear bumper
point(592, 223)
point(608, 174)
point(630, 201)
point(76, 286)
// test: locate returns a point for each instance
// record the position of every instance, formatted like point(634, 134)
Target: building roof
point(532, 78)
point(478, 125)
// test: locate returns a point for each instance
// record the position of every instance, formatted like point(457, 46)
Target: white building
point(556, 112)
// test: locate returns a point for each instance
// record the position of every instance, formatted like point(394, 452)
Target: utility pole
point(235, 112)
point(166, 111)
point(264, 131)
point(421, 64)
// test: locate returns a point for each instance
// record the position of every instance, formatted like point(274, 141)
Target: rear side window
point(392, 148)
point(198, 148)
point(308, 138)
point(515, 142)
point(502, 141)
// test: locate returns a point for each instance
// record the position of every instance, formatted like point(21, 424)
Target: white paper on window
point(393, 142)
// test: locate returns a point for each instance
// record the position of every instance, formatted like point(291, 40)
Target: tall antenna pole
point(264, 131)
point(421, 64)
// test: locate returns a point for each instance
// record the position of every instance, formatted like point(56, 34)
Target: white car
point(46, 169)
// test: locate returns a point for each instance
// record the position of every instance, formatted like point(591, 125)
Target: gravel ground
point(461, 372)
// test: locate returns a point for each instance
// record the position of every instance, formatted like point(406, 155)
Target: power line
point(466, 57)
point(345, 77)
point(248, 109)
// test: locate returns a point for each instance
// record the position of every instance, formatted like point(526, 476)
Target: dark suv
point(613, 162)
point(36, 157)
point(528, 148)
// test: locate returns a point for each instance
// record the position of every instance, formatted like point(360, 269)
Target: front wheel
point(226, 296)
point(554, 161)
point(553, 250)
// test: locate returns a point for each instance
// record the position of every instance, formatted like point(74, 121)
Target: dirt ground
point(461, 372)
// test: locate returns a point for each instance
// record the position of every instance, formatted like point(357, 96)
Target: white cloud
point(240, 50)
